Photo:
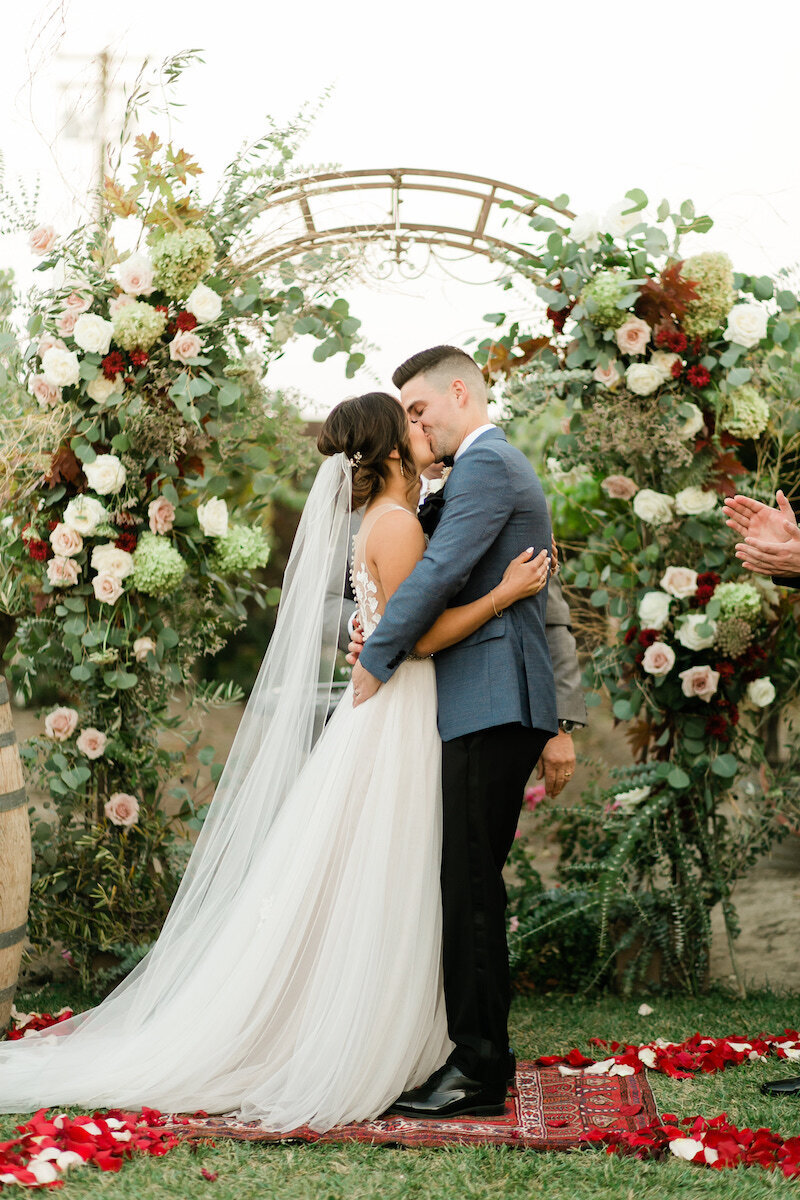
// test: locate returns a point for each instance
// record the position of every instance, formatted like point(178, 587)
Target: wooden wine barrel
point(15, 858)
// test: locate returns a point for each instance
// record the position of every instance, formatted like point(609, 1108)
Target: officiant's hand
point(557, 763)
point(364, 685)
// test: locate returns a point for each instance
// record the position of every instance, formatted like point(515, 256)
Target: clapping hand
point(771, 543)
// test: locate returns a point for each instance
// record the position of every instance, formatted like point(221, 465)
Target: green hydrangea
point(181, 259)
point(138, 325)
point(732, 637)
point(712, 271)
point(604, 293)
point(746, 413)
point(157, 566)
point(241, 549)
point(740, 600)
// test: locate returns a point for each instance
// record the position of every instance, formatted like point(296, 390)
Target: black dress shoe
point(448, 1093)
point(782, 1087)
point(512, 1068)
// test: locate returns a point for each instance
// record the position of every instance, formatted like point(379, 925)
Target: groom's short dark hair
point(428, 360)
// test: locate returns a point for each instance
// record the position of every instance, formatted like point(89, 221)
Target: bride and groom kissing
point(337, 947)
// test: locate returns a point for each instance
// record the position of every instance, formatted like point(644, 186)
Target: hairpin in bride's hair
point(356, 459)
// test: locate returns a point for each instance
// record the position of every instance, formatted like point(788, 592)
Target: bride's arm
point(395, 558)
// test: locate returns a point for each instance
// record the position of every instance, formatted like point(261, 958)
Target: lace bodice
point(367, 591)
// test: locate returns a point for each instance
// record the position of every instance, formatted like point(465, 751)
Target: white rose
point(679, 581)
point(619, 223)
point(693, 500)
point(84, 514)
point(142, 647)
point(65, 541)
point(107, 588)
point(60, 367)
point(213, 517)
point(761, 692)
point(693, 423)
point(136, 275)
point(688, 635)
point(586, 229)
point(654, 610)
point(99, 389)
point(663, 362)
point(204, 303)
point(608, 377)
point(658, 659)
point(643, 378)
point(106, 474)
point(654, 508)
point(747, 324)
point(108, 559)
point(92, 333)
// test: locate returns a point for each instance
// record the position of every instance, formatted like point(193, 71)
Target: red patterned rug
point(546, 1111)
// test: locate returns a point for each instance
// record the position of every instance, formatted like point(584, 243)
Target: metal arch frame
point(490, 193)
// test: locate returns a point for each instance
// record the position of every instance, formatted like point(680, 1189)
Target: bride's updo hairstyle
point(367, 429)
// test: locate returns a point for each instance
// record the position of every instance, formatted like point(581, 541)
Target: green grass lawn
point(541, 1025)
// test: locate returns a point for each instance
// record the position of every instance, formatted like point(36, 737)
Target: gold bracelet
point(494, 606)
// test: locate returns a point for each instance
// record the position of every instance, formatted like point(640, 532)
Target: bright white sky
point(588, 99)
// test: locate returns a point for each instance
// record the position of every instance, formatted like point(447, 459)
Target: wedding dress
point(297, 979)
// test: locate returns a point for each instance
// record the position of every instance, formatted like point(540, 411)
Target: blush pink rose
point(700, 682)
point(107, 588)
point(65, 324)
point(142, 647)
point(119, 302)
point(608, 376)
point(185, 346)
point(65, 541)
point(161, 514)
point(91, 742)
point(619, 487)
point(77, 303)
point(60, 724)
point(679, 581)
point(658, 659)
point(633, 336)
point(47, 394)
point(48, 342)
point(122, 809)
point(42, 240)
point(136, 275)
point(63, 572)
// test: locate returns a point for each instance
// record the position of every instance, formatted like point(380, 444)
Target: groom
point(497, 709)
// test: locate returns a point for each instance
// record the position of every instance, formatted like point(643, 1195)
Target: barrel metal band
point(10, 937)
point(3, 700)
point(7, 993)
point(9, 800)
point(8, 738)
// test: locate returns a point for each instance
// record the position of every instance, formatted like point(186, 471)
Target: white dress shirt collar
point(470, 438)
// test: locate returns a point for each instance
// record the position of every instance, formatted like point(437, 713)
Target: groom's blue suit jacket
point(494, 508)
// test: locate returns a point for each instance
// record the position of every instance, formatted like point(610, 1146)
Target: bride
point(297, 978)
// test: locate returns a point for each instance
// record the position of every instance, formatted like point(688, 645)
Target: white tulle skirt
point(321, 999)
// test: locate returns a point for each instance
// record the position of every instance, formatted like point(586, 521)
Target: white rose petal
point(108, 559)
point(644, 1010)
point(646, 1055)
point(92, 333)
point(693, 500)
point(586, 229)
point(654, 610)
point(61, 367)
point(688, 635)
point(43, 1172)
point(213, 517)
point(663, 362)
point(619, 223)
point(654, 508)
point(99, 389)
point(632, 796)
point(686, 1148)
point(693, 423)
point(204, 303)
point(643, 378)
point(106, 475)
point(761, 692)
point(747, 324)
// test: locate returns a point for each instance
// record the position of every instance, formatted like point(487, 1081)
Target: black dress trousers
point(483, 780)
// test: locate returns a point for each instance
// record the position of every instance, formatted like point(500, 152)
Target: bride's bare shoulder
point(396, 530)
